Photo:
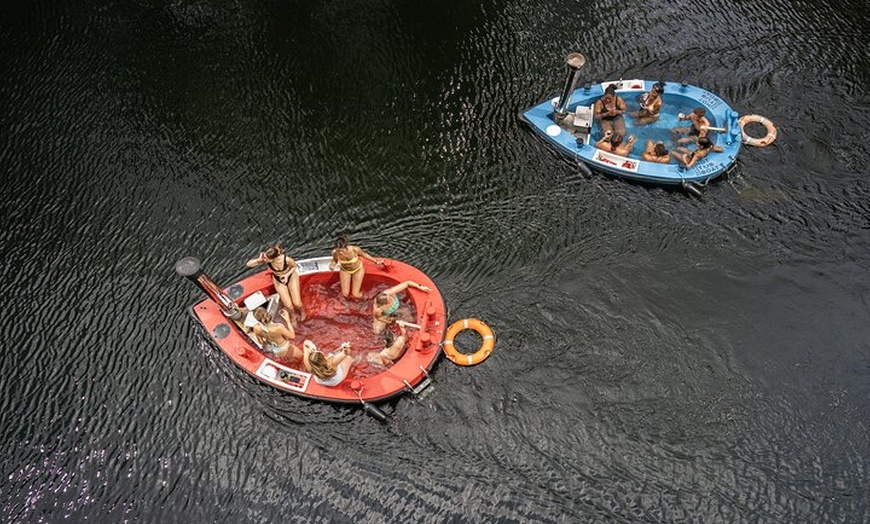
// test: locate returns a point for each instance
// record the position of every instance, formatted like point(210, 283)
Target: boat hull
point(541, 119)
point(423, 347)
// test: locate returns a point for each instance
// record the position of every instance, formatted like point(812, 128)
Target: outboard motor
point(190, 268)
point(574, 61)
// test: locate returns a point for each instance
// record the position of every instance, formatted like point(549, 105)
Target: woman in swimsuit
point(393, 347)
point(613, 144)
point(351, 271)
point(609, 110)
point(656, 153)
point(284, 277)
point(385, 309)
point(688, 158)
point(650, 105)
point(328, 370)
point(276, 338)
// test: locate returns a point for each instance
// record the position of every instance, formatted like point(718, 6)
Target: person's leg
point(378, 360)
point(283, 293)
point(343, 367)
point(296, 295)
point(357, 280)
point(345, 278)
point(619, 126)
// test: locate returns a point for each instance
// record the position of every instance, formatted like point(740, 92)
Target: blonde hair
point(320, 365)
point(262, 315)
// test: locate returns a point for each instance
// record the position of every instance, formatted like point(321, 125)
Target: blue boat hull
point(676, 98)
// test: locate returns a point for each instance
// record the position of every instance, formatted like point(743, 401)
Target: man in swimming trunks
point(614, 144)
point(284, 277)
point(650, 105)
point(688, 158)
point(385, 309)
point(609, 110)
point(699, 126)
point(351, 270)
point(656, 153)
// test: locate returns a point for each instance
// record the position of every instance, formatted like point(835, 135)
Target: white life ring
point(752, 141)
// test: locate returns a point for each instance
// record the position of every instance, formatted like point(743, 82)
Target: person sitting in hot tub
point(609, 110)
point(688, 158)
point(277, 339)
point(699, 126)
point(650, 105)
point(386, 308)
point(656, 153)
point(327, 370)
point(614, 144)
point(394, 346)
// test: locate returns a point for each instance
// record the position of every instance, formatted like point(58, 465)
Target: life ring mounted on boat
point(752, 141)
point(466, 359)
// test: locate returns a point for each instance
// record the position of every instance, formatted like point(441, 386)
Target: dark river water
point(660, 357)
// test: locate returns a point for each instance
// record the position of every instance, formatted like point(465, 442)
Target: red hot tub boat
point(330, 320)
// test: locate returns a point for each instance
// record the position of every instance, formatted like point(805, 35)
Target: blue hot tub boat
point(576, 135)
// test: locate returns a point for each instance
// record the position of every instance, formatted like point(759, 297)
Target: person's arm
point(629, 145)
point(405, 285)
point(616, 105)
point(599, 109)
point(694, 159)
point(337, 358)
point(342, 353)
point(334, 259)
point(258, 332)
point(289, 331)
point(718, 149)
point(368, 257)
point(254, 262)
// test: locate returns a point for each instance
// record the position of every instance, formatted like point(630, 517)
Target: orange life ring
point(466, 359)
point(760, 142)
